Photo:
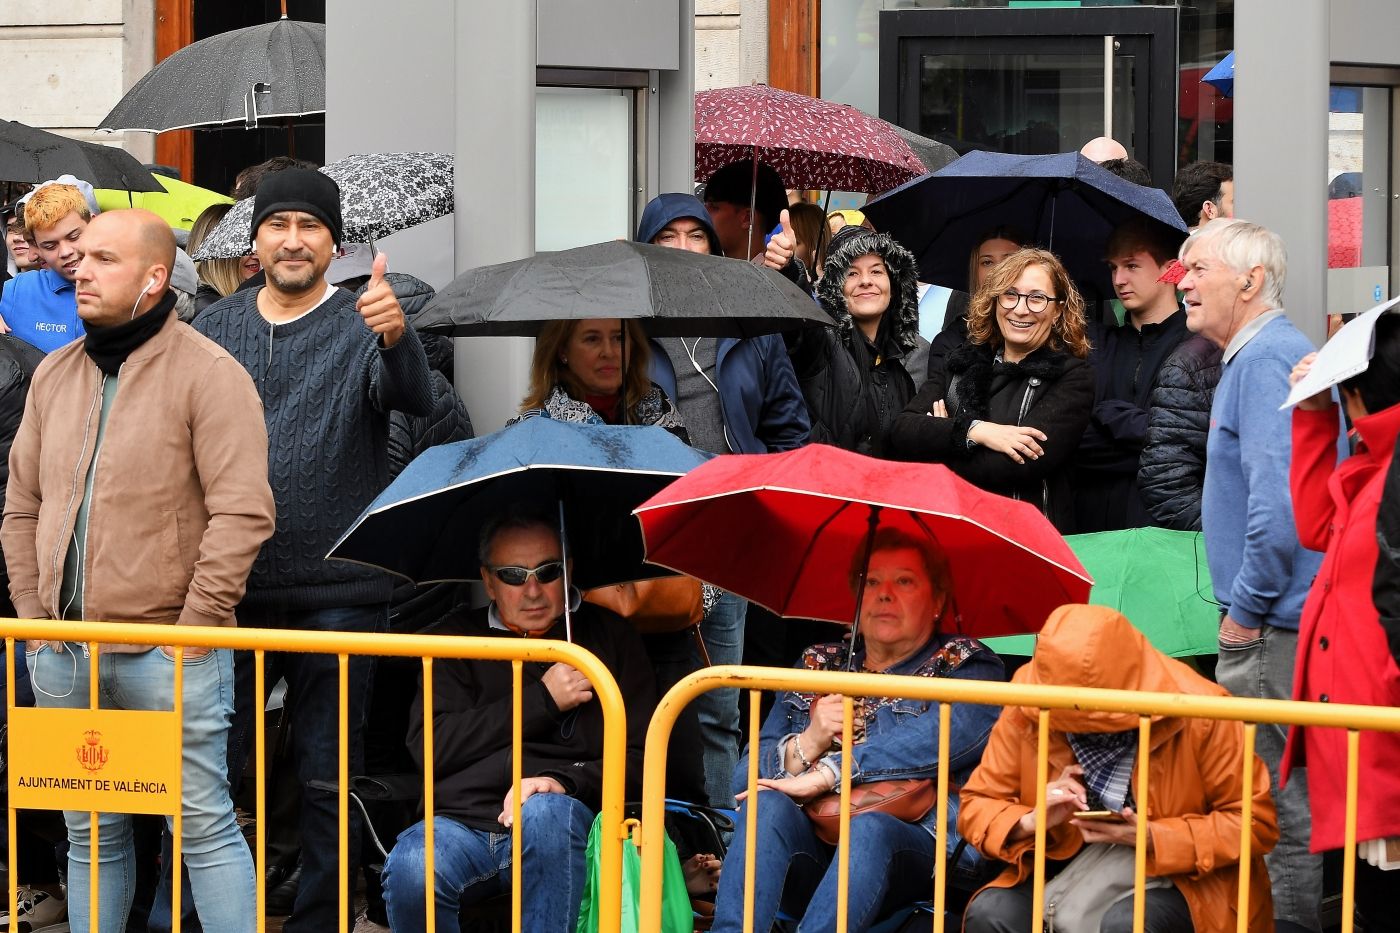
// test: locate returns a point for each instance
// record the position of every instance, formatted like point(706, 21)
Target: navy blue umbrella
point(426, 524)
point(1063, 202)
point(1222, 76)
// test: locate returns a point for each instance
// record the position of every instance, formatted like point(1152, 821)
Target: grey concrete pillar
point(1281, 92)
point(495, 135)
point(676, 158)
point(403, 106)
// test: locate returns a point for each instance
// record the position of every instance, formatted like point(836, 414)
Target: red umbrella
point(811, 143)
point(782, 530)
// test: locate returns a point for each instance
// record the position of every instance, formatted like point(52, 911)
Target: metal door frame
point(903, 31)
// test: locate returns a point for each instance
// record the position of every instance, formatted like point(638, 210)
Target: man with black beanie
point(329, 369)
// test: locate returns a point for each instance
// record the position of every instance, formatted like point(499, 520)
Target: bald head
point(1102, 149)
point(125, 271)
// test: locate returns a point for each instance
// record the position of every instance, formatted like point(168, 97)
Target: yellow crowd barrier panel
point(946, 691)
point(122, 761)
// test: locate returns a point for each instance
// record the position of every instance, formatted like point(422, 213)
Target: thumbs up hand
point(379, 306)
point(782, 245)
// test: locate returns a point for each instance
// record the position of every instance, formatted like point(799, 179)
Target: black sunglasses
point(545, 573)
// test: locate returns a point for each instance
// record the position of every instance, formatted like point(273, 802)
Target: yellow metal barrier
point(343, 645)
point(946, 691)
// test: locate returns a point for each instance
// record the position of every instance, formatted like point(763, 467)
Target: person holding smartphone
point(1193, 803)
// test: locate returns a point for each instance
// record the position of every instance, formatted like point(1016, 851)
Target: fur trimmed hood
point(904, 284)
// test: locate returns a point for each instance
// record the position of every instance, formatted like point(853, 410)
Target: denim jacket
point(901, 735)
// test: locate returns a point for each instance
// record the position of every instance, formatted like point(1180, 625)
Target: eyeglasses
point(545, 573)
point(1036, 303)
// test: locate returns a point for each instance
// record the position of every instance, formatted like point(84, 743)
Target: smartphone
point(1101, 816)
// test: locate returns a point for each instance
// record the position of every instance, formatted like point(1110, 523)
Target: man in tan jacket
point(138, 492)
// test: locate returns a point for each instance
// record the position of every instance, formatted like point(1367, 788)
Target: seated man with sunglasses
point(562, 728)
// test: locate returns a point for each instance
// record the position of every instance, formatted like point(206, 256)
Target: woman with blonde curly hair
point(1006, 410)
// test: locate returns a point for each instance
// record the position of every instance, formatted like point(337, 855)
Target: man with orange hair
point(41, 307)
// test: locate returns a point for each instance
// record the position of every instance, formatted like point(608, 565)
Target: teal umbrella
point(1156, 577)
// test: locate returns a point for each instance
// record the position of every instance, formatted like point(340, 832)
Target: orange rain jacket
point(1194, 786)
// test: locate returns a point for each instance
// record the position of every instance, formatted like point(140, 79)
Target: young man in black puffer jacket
point(1172, 471)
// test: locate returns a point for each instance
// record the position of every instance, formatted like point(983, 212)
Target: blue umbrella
point(1063, 202)
point(1222, 76)
point(426, 524)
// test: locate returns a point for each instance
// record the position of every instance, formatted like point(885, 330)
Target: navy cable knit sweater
point(327, 388)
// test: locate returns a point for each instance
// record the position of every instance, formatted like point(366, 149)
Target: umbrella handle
point(871, 528)
point(564, 556)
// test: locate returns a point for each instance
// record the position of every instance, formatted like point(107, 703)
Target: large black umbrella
point(675, 293)
point(34, 155)
point(275, 71)
point(1063, 202)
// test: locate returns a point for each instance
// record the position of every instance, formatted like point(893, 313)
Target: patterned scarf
point(1107, 759)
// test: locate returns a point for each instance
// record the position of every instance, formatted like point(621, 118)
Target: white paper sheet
point(1345, 355)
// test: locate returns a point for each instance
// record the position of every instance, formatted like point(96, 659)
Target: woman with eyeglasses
point(595, 371)
point(1006, 410)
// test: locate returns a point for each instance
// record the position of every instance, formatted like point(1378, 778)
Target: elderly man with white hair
point(1261, 573)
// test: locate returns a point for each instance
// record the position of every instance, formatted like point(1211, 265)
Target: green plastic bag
point(676, 916)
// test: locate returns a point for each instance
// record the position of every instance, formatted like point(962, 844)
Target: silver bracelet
point(801, 756)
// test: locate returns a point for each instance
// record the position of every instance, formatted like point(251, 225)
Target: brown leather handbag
point(908, 799)
point(654, 607)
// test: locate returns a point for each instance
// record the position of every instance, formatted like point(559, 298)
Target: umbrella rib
point(811, 545)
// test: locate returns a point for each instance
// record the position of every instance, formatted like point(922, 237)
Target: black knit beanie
point(299, 189)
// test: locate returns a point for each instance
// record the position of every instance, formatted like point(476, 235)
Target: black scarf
point(110, 346)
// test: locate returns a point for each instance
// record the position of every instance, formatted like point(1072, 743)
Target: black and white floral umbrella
point(380, 193)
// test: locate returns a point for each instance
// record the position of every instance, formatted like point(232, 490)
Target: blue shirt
point(41, 308)
point(1260, 572)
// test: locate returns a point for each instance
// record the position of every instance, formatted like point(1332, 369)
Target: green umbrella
point(1156, 577)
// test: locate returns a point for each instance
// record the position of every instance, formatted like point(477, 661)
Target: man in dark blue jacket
point(735, 396)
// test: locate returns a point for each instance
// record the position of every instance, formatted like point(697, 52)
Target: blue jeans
point(471, 866)
point(1263, 668)
point(313, 712)
point(219, 863)
point(891, 864)
point(723, 632)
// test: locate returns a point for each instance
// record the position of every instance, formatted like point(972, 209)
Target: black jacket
point(1385, 588)
point(1049, 390)
point(854, 387)
point(1172, 470)
point(18, 360)
point(472, 720)
point(1126, 362)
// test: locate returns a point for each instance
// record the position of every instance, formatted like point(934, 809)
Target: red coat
point(1343, 655)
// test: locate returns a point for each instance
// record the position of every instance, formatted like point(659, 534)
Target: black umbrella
point(674, 292)
point(275, 71)
point(1064, 202)
point(931, 152)
point(29, 154)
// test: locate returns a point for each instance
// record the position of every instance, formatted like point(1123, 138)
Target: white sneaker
point(39, 912)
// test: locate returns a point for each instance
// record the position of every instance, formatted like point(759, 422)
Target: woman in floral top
point(906, 597)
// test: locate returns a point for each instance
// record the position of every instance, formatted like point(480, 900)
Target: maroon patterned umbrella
point(813, 144)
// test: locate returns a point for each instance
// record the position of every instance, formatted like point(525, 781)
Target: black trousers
point(1008, 910)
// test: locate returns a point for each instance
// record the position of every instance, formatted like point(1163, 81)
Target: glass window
point(1358, 198)
point(584, 165)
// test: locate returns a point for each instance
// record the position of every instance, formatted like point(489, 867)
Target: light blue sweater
point(1260, 571)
